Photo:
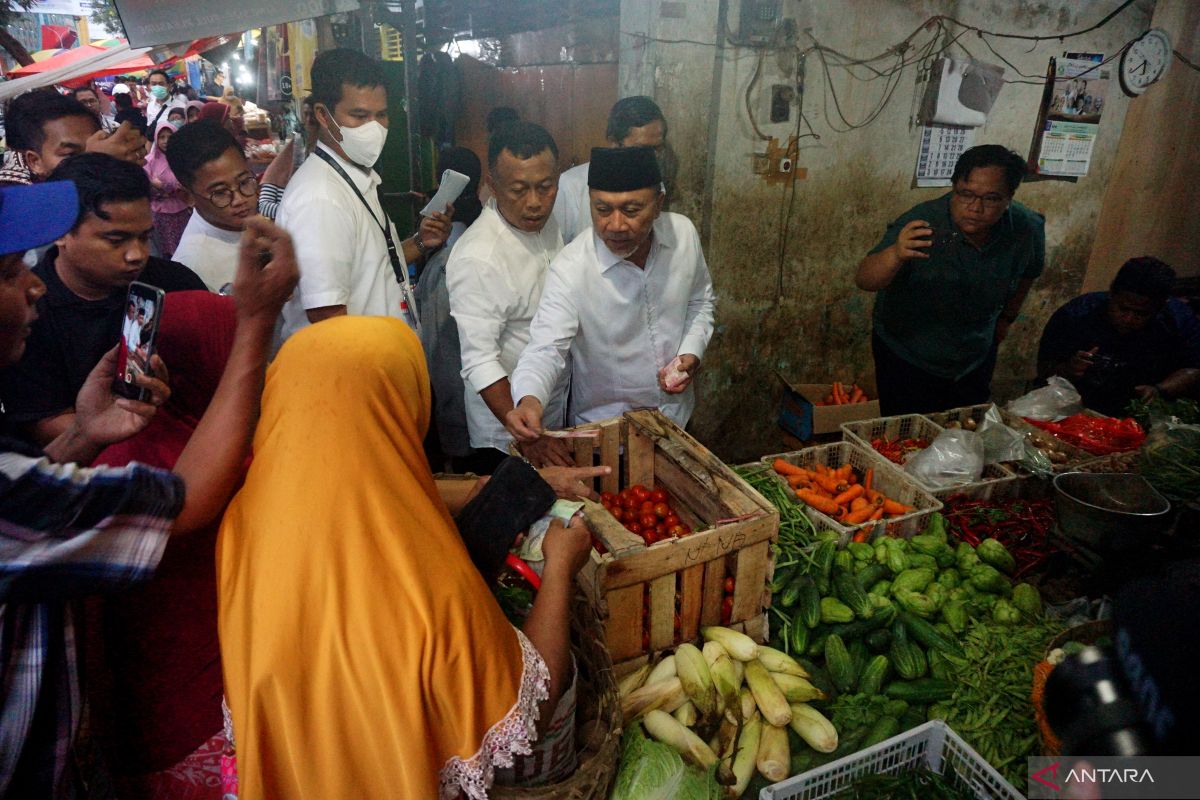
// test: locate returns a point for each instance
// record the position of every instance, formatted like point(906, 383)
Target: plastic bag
point(1000, 442)
point(1054, 401)
point(954, 458)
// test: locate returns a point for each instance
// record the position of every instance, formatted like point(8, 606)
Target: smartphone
point(944, 238)
point(139, 330)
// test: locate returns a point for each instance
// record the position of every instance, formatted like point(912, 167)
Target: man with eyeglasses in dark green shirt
point(951, 275)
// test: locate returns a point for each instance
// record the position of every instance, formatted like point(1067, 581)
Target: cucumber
point(843, 562)
point(859, 656)
point(913, 717)
point(783, 577)
point(907, 658)
point(923, 690)
point(848, 589)
point(837, 661)
point(929, 636)
point(822, 564)
point(850, 631)
point(884, 728)
point(808, 606)
point(879, 641)
point(791, 593)
point(871, 680)
point(798, 637)
point(871, 574)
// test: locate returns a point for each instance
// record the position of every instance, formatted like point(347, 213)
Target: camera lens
point(1089, 707)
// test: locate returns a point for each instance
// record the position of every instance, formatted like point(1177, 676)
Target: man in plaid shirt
point(66, 530)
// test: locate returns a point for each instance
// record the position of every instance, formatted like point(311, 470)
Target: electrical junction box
point(758, 19)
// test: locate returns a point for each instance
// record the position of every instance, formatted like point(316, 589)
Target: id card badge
point(408, 307)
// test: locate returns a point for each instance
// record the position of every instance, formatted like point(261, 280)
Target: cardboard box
point(800, 415)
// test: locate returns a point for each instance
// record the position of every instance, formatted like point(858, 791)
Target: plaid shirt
point(65, 531)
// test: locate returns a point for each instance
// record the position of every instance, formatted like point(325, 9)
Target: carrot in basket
point(829, 483)
point(839, 394)
point(845, 472)
point(856, 394)
point(868, 479)
point(823, 504)
point(877, 515)
point(856, 517)
point(894, 508)
point(861, 535)
point(784, 468)
point(851, 494)
point(859, 502)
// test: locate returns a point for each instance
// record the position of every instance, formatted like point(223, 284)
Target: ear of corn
point(712, 651)
point(666, 729)
point(746, 757)
point(774, 756)
point(686, 714)
point(749, 707)
point(726, 681)
point(662, 671)
point(767, 695)
point(666, 694)
point(696, 678)
point(814, 728)
point(796, 690)
point(778, 661)
point(738, 645)
point(633, 680)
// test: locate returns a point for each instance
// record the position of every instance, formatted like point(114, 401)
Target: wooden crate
point(733, 526)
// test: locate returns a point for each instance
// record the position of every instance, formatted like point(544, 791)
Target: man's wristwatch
point(421, 248)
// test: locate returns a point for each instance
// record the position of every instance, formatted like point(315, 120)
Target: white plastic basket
point(932, 745)
point(907, 426)
point(889, 479)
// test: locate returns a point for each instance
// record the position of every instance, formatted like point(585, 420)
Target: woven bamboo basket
point(597, 718)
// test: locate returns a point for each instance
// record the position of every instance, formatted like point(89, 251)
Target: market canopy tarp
point(85, 54)
point(153, 22)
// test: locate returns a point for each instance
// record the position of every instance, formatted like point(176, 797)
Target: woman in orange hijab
point(364, 655)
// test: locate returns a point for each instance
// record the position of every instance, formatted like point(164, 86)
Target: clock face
point(1145, 61)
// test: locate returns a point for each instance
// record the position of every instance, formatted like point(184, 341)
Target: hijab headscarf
point(363, 652)
point(161, 666)
point(166, 200)
point(156, 159)
point(218, 112)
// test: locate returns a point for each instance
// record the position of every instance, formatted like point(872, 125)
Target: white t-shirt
point(494, 275)
point(572, 206)
point(620, 324)
point(340, 248)
point(210, 252)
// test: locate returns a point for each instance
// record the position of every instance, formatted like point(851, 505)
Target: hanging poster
point(941, 145)
point(1070, 117)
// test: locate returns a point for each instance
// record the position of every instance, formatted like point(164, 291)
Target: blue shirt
point(1169, 342)
point(940, 313)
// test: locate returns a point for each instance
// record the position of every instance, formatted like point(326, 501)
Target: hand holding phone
point(914, 240)
point(139, 330)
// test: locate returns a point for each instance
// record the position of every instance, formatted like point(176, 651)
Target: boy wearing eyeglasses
point(951, 275)
point(211, 167)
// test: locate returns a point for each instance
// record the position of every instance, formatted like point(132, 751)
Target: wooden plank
point(610, 456)
point(585, 453)
point(619, 541)
point(682, 485)
point(623, 628)
point(699, 548)
point(639, 457)
point(691, 588)
point(662, 612)
point(714, 592)
point(750, 576)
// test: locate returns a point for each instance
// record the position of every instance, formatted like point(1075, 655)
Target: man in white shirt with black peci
point(494, 276)
point(351, 259)
point(631, 304)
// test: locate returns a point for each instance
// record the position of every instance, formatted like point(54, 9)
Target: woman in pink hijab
point(167, 198)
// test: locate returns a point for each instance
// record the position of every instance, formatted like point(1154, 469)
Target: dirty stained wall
point(783, 261)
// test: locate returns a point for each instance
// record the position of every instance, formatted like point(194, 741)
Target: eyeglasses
point(990, 201)
point(223, 198)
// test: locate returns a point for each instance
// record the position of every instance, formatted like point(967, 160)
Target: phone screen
point(139, 329)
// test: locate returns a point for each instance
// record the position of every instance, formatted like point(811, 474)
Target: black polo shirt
point(70, 336)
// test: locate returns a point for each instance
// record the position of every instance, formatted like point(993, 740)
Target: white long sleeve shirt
point(620, 324)
point(495, 275)
point(572, 205)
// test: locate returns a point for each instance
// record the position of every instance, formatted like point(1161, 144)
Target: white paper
point(451, 187)
point(941, 145)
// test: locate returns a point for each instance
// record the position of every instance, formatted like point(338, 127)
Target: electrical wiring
point(1186, 60)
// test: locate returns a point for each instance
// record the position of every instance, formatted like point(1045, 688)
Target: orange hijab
point(363, 654)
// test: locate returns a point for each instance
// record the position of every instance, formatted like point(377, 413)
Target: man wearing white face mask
point(161, 102)
point(351, 259)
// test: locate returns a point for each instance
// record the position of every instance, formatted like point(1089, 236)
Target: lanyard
point(398, 267)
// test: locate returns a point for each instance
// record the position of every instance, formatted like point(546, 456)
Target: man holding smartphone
point(951, 276)
point(86, 276)
point(68, 530)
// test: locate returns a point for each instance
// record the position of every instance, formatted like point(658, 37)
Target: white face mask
point(363, 144)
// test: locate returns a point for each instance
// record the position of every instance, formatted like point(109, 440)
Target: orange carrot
point(829, 483)
point(853, 493)
point(855, 517)
point(784, 468)
point(874, 497)
point(861, 535)
point(856, 394)
point(839, 394)
point(845, 471)
point(878, 513)
point(895, 509)
point(858, 503)
point(868, 478)
point(797, 481)
point(822, 504)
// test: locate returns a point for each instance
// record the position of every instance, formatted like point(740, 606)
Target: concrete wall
point(1157, 166)
point(783, 261)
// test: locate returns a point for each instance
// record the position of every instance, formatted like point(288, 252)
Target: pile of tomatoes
point(646, 512)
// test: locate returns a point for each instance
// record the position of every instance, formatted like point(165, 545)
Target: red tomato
point(607, 498)
point(648, 536)
point(684, 530)
point(618, 513)
point(648, 521)
point(729, 585)
point(633, 527)
point(646, 507)
point(660, 531)
point(629, 501)
point(675, 531)
point(658, 496)
point(662, 510)
point(640, 492)
point(671, 520)
point(726, 610)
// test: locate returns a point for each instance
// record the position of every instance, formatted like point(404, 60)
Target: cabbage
point(651, 770)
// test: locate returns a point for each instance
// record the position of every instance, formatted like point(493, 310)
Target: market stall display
point(1023, 526)
point(652, 596)
point(1100, 436)
point(839, 395)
